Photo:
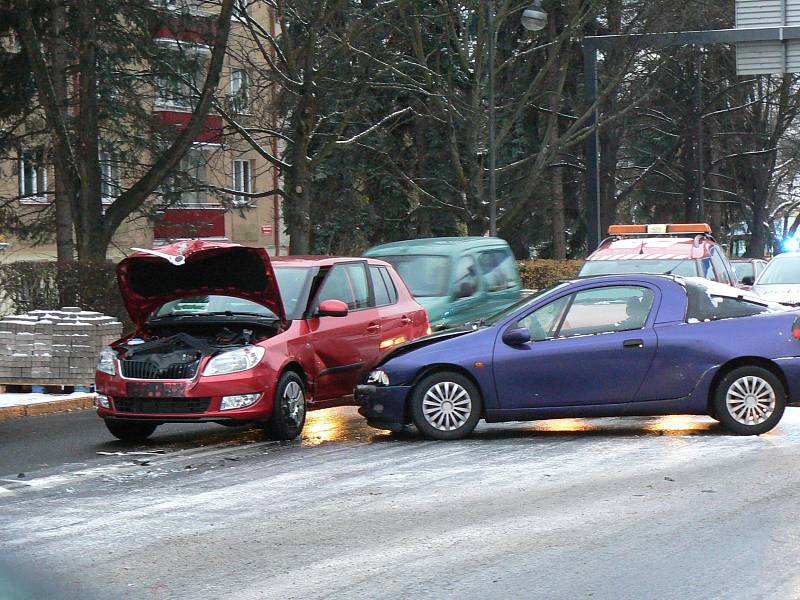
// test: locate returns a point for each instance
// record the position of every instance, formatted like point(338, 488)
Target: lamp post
point(533, 19)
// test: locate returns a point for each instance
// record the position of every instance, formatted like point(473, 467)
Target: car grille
point(136, 369)
point(162, 406)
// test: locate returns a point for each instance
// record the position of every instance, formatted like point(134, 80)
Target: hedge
point(539, 273)
point(32, 285)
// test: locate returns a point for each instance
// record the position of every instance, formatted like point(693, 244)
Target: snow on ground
point(7, 400)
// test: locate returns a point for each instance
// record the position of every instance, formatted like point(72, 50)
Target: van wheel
point(749, 400)
point(288, 408)
point(130, 431)
point(446, 406)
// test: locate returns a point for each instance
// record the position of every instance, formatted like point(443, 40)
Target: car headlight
point(234, 361)
point(378, 378)
point(105, 364)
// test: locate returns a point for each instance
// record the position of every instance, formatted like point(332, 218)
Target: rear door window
point(383, 295)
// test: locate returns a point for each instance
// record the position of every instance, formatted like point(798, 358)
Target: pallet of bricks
point(54, 347)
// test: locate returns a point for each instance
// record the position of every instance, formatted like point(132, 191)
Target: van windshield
point(424, 274)
point(609, 267)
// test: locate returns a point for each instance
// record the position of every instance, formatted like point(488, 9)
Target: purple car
point(599, 347)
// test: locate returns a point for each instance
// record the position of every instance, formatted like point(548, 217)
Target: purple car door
point(594, 346)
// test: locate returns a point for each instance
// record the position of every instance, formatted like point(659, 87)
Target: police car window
point(719, 267)
point(606, 310)
point(708, 269)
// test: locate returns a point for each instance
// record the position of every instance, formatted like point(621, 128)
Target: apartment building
point(208, 197)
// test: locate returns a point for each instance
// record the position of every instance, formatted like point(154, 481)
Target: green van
point(456, 279)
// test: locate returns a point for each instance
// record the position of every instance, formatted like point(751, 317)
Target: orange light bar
point(656, 229)
point(689, 228)
point(623, 229)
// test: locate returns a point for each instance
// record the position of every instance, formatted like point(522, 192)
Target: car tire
point(446, 406)
point(749, 400)
point(288, 409)
point(130, 431)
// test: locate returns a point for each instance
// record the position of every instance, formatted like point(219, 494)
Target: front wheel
point(130, 431)
point(288, 409)
point(446, 406)
point(749, 400)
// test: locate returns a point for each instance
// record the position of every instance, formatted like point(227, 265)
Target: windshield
point(742, 269)
point(608, 267)
point(293, 285)
point(499, 316)
point(212, 304)
point(781, 271)
point(425, 275)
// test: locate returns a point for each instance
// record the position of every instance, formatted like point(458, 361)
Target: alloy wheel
point(294, 403)
point(446, 406)
point(750, 400)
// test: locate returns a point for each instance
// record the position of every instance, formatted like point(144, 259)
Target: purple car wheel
point(445, 406)
point(749, 400)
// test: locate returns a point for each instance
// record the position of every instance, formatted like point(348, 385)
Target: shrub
point(539, 273)
point(33, 285)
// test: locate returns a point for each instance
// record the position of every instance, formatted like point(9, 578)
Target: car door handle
point(373, 327)
point(405, 320)
point(633, 344)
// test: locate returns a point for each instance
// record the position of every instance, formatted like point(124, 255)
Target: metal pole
point(592, 168)
point(492, 155)
point(700, 158)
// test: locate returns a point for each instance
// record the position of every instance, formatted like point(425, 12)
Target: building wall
point(256, 222)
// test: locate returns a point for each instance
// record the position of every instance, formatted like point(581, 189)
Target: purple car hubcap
point(446, 406)
point(750, 400)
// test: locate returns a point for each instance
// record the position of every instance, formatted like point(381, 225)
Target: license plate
point(143, 389)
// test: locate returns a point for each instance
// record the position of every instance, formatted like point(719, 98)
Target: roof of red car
point(318, 261)
point(653, 248)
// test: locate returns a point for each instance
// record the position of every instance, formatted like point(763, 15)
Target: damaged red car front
point(214, 343)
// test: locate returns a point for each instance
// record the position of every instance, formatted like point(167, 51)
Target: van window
point(719, 267)
point(466, 280)
point(425, 275)
point(497, 267)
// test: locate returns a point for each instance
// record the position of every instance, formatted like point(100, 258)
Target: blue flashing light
point(791, 244)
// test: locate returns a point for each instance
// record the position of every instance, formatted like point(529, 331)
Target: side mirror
point(747, 280)
point(517, 337)
point(332, 308)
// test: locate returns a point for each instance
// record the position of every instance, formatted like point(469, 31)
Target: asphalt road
point(608, 508)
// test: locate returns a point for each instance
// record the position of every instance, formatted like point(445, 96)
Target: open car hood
point(150, 278)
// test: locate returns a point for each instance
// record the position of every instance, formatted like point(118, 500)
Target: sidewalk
point(14, 406)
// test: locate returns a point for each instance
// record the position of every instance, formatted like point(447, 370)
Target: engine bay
point(175, 352)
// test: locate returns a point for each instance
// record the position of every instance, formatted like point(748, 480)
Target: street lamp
point(533, 19)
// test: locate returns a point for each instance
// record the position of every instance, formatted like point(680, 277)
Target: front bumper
point(191, 401)
point(383, 406)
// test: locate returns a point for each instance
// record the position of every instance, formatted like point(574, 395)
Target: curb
point(8, 413)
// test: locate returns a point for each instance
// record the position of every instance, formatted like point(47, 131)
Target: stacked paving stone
point(56, 347)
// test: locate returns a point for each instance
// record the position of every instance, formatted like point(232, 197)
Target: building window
point(240, 90)
point(109, 177)
point(188, 185)
point(173, 91)
point(242, 180)
point(32, 175)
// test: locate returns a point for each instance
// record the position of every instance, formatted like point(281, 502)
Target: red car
point(686, 249)
point(226, 335)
